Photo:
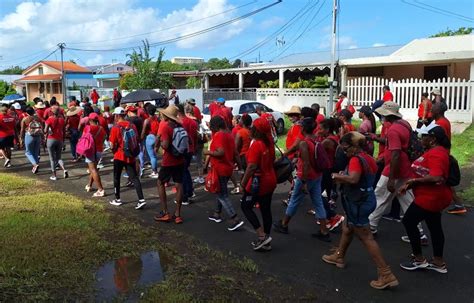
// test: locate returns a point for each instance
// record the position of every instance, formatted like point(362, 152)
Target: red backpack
point(321, 158)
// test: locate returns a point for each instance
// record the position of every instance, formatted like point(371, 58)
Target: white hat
point(425, 129)
point(436, 91)
point(16, 106)
point(119, 111)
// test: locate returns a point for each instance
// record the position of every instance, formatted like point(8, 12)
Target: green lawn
point(462, 146)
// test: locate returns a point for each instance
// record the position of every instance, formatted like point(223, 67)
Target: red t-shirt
point(103, 123)
point(355, 164)
point(263, 157)
point(294, 133)
point(108, 117)
point(56, 128)
point(166, 134)
point(225, 164)
point(312, 174)
point(244, 134)
point(235, 130)
point(421, 110)
point(387, 96)
point(432, 197)
point(398, 137)
point(117, 140)
point(197, 113)
point(446, 125)
point(348, 127)
point(330, 151)
point(383, 134)
point(153, 126)
point(191, 128)
point(94, 97)
point(142, 113)
point(226, 114)
point(73, 122)
point(320, 118)
point(213, 107)
point(339, 105)
point(48, 113)
point(7, 125)
point(98, 134)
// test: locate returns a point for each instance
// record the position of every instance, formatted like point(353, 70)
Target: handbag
point(283, 167)
point(212, 181)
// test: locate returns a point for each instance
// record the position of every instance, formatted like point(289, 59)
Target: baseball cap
point(119, 111)
point(93, 116)
point(132, 109)
point(220, 100)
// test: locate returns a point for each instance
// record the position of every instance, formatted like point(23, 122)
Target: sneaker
point(106, 149)
point(235, 225)
point(235, 191)
point(125, 175)
point(262, 242)
point(7, 163)
point(423, 239)
point(65, 174)
point(414, 264)
point(177, 219)
point(320, 236)
point(280, 228)
point(182, 202)
point(53, 178)
point(196, 180)
point(335, 222)
point(115, 202)
point(285, 202)
point(311, 212)
point(163, 217)
point(193, 195)
point(99, 193)
point(140, 204)
point(88, 188)
point(457, 210)
point(129, 184)
point(153, 175)
point(200, 180)
point(142, 170)
point(100, 166)
point(441, 269)
point(266, 247)
point(215, 218)
point(35, 169)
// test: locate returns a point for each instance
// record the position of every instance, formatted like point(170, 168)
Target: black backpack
point(454, 176)
point(415, 148)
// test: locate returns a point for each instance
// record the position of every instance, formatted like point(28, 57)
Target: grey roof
point(325, 56)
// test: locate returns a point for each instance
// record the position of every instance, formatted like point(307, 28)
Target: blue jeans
point(187, 181)
point(223, 200)
point(150, 148)
point(314, 191)
point(32, 146)
point(75, 135)
point(142, 155)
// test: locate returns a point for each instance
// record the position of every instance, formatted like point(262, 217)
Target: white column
point(471, 89)
point(27, 93)
point(281, 78)
point(241, 82)
point(50, 89)
point(343, 77)
point(206, 82)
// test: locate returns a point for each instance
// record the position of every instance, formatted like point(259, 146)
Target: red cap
point(93, 116)
point(132, 108)
point(262, 125)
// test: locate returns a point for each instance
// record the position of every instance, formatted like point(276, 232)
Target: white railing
point(407, 92)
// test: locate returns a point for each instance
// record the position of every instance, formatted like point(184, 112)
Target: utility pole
point(63, 84)
point(332, 83)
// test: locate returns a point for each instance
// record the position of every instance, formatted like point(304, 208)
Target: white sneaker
point(65, 174)
point(115, 202)
point(201, 180)
point(140, 204)
point(100, 166)
point(196, 180)
point(88, 188)
point(154, 175)
point(235, 191)
point(99, 193)
point(53, 178)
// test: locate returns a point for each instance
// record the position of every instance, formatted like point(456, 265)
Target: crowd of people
point(334, 163)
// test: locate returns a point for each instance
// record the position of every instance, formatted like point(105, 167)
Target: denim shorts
point(358, 214)
point(98, 155)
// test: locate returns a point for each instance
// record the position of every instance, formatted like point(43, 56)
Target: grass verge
point(461, 148)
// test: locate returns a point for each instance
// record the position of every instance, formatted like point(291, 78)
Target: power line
point(167, 28)
point(187, 36)
point(438, 10)
point(34, 59)
point(35, 55)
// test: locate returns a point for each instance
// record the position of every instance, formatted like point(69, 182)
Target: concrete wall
point(282, 99)
point(46, 70)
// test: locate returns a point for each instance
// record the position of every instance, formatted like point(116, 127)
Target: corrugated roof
point(46, 77)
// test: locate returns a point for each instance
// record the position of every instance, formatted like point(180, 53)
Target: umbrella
point(142, 95)
point(12, 98)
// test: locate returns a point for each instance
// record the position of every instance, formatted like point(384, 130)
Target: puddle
point(120, 278)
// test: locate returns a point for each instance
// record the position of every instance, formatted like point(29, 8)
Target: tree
point(237, 63)
point(193, 82)
point(6, 89)
point(147, 72)
point(14, 70)
point(216, 63)
point(459, 31)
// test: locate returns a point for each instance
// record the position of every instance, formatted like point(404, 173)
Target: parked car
point(240, 107)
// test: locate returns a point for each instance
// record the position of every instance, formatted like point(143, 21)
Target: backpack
point(454, 175)
point(180, 142)
point(35, 128)
point(130, 146)
point(321, 157)
point(415, 148)
point(86, 144)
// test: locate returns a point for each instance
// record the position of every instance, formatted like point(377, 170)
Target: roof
point(100, 68)
point(68, 67)
point(36, 78)
point(452, 44)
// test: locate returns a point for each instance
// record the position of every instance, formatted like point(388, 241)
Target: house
point(108, 75)
point(187, 60)
point(43, 79)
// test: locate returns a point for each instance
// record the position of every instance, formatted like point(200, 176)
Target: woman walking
point(32, 130)
point(359, 202)
point(148, 135)
point(259, 182)
point(72, 126)
point(54, 131)
point(368, 127)
point(98, 134)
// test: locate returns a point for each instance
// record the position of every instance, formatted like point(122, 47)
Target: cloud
point(97, 60)
point(344, 42)
point(378, 44)
point(36, 26)
point(271, 22)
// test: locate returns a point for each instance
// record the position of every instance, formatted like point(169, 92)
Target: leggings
point(415, 215)
point(54, 149)
point(132, 173)
point(265, 202)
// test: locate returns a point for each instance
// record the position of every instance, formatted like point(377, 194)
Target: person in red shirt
point(72, 126)
point(432, 195)
point(149, 135)
point(260, 158)
point(358, 205)
point(345, 117)
point(213, 107)
point(396, 165)
point(191, 127)
point(223, 111)
point(54, 130)
point(171, 165)
point(319, 117)
point(7, 135)
point(294, 133)
point(438, 110)
point(40, 108)
point(141, 110)
point(94, 96)
point(424, 111)
point(121, 160)
point(308, 181)
point(222, 156)
point(236, 125)
point(32, 130)
point(196, 112)
point(243, 139)
point(387, 94)
point(261, 111)
point(98, 134)
point(48, 111)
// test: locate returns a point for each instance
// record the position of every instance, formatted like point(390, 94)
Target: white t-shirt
point(345, 103)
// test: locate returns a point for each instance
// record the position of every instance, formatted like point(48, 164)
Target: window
point(435, 72)
point(56, 88)
point(40, 70)
point(119, 69)
point(246, 108)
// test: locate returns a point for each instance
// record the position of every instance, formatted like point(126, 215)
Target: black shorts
point(6, 142)
point(167, 172)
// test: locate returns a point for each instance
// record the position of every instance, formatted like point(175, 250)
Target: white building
point(187, 60)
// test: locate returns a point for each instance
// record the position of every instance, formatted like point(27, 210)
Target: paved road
point(296, 257)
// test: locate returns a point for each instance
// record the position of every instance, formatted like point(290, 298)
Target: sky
point(31, 30)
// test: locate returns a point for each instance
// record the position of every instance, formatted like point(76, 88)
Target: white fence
point(407, 92)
